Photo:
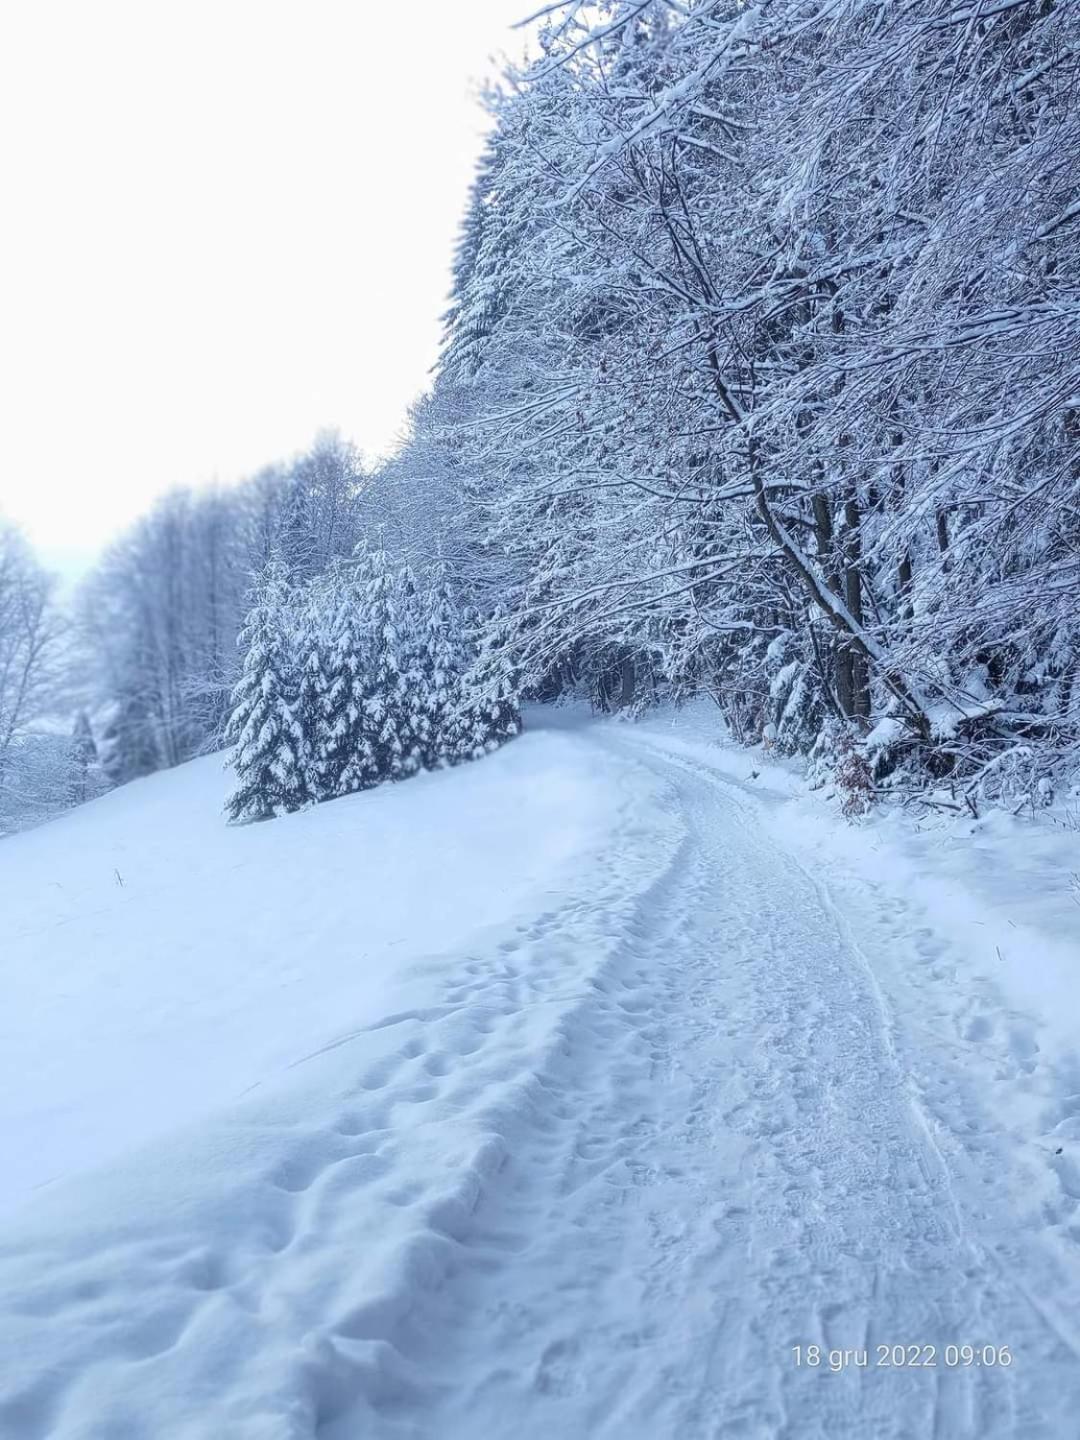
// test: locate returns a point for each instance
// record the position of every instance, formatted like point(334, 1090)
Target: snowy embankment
point(576, 1093)
point(250, 1076)
point(159, 964)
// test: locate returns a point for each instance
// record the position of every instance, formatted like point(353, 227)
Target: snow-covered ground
point(159, 964)
point(561, 1095)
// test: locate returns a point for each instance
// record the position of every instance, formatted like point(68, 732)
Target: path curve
point(729, 1159)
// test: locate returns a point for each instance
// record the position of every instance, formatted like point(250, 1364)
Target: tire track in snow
point(640, 1147)
point(722, 1158)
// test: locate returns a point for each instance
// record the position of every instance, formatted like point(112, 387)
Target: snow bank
point(171, 962)
point(254, 1079)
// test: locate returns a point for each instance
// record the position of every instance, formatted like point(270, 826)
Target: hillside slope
point(158, 963)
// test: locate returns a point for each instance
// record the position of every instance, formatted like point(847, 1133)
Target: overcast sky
point(228, 223)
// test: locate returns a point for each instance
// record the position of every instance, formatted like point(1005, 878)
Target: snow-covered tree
point(346, 754)
point(389, 703)
point(764, 322)
point(759, 379)
point(310, 644)
point(39, 779)
point(159, 616)
point(86, 778)
point(488, 712)
point(272, 774)
point(29, 637)
point(440, 649)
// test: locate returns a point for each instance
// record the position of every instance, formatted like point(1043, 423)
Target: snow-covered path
point(726, 1158)
point(598, 1174)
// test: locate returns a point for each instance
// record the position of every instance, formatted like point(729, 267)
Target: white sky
point(226, 224)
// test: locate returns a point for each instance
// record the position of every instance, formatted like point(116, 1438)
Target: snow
point(583, 1084)
point(171, 962)
point(1001, 888)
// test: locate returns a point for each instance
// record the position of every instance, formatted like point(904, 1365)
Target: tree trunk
point(855, 661)
point(627, 678)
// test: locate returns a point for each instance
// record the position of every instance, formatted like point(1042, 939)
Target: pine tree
point(128, 748)
point(346, 746)
point(413, 718)
point(487, 713)
point(440, 649)
point(311, 645)
point(386, 700)
point(269, 759)
point(85, 768)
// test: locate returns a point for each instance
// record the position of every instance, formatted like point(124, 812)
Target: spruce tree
point(347, 749)
point(414, 721)
point(268, 753)
point(311, 646)
point(440, 649)
point(85, 769)
point(487, 712)
point(386, 700)
point(128, 748)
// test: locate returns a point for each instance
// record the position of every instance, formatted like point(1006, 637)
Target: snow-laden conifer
point(346, 744)
point(310, 643)
point(267, 739)
point(487, 712)
point(440, 649)
point(387, 703)
point(85, 781)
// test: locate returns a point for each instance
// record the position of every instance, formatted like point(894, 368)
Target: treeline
point(281, 616)
point(762, 377)
point(47, 764)
point(145, 657)
point(159, 618)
